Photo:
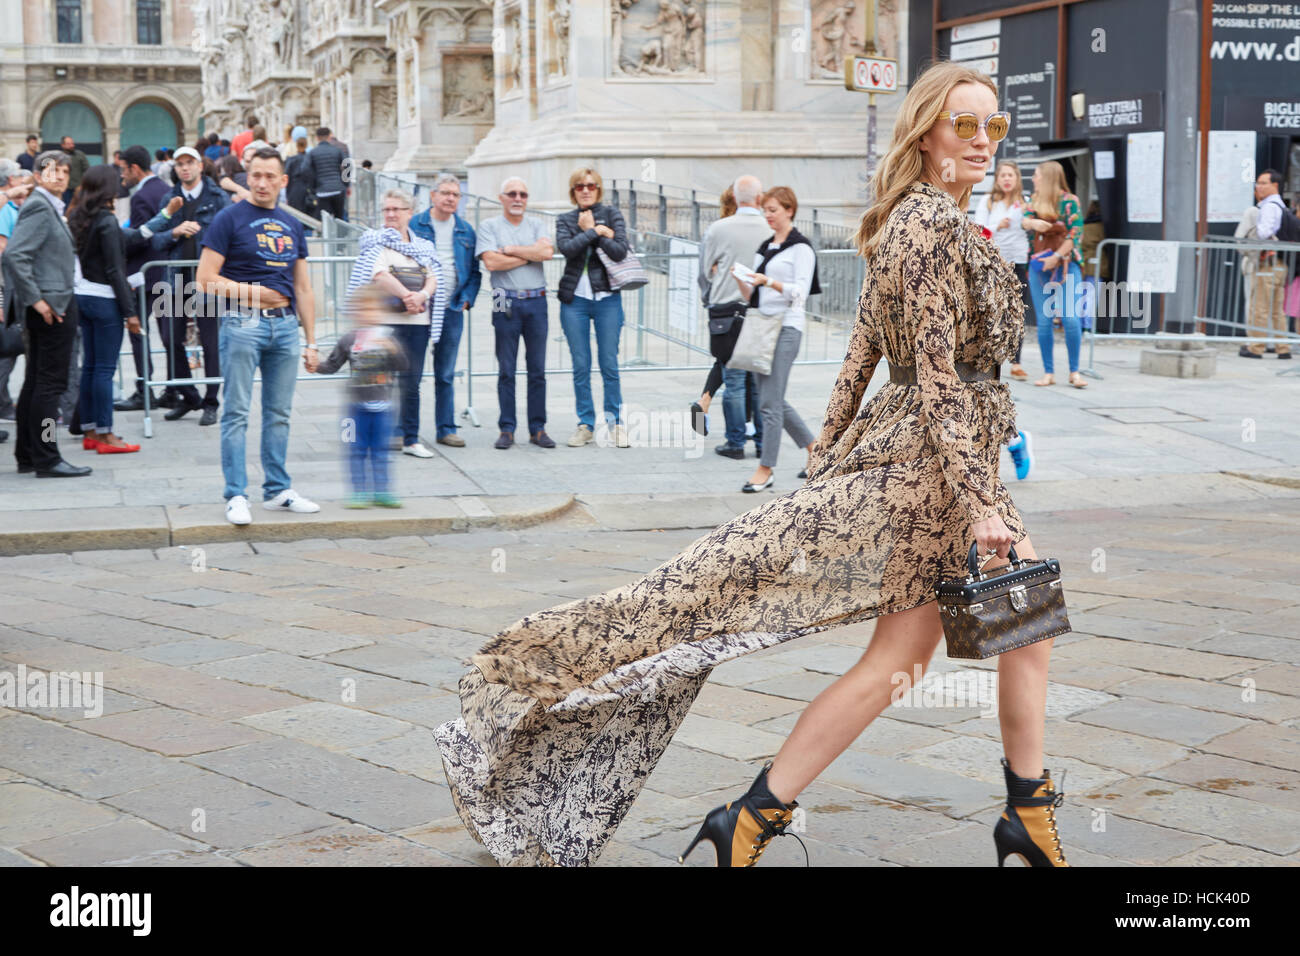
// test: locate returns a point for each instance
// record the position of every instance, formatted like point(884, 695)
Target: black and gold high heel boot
point(1028, 824)
point(740, 831)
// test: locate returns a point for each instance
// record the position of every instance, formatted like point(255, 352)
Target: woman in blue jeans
point(1055, 279)
point(587, 301)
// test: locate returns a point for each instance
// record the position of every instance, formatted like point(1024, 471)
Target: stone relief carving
point(676, 48)
point(284, 33)
point(383, 112)
point(559, 15)
point(838, 28)
point(467, 86)
point(408, 84)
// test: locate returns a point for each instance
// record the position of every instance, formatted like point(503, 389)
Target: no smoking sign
point(871, 74)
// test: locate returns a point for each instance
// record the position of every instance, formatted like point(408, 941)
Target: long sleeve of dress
point(947, 412)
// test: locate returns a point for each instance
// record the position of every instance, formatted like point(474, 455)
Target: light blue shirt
point(8, 216)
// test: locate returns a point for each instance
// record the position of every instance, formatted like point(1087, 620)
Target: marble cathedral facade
point(683, 92)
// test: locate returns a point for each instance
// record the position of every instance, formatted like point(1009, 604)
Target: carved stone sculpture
point(383, 112)
point(835, 23)
point(560, 13)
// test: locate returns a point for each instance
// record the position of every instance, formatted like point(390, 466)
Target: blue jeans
point(733, 405)
point(577, 318)
point(247, 344)
point(526, 318)
point(414, 340)
point(101, 340)
point(444, 371)
point(1057, 299)
point(369, 445)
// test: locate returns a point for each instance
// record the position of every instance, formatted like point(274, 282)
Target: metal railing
point(1218, 276)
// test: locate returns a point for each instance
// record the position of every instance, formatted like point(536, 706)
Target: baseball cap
point(187, 151)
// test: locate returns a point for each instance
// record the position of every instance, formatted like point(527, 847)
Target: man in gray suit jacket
point(39, 268)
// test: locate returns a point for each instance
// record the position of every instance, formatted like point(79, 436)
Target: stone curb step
point(92, 529)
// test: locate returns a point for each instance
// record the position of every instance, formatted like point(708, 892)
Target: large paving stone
point(186, 689)
point(901, 781)
point(330, 726)
point(1172, 722)
point(234, 815)
point(980, 759)
point(1261, 743)
point(801, 685)
point(1177, 661)
point(1221, 696)
point(299, 641)
point(404, 663)
point(414, 752)
point(313, 679)
point(110, 633)
point(1264, 784)
point(343, 845)
point(685, 771)
point(199, 650)
point(33, 813)
point(728, 739)
point(79, 762)
point(428, 710)
point(1218, 816)
point(1228, 854)
point(448, 835)
point(173, 733)
point(332, 783)
point(1277, 679)
point(739, 705)
point(122, 842)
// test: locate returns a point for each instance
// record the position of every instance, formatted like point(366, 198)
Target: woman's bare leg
point(1022, 698)
point(835, 718)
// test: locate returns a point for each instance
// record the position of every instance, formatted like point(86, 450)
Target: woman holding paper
point(785, 274)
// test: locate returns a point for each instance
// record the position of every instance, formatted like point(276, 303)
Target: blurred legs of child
point(368, 455)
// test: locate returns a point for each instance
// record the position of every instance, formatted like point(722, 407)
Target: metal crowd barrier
point(1220, 286)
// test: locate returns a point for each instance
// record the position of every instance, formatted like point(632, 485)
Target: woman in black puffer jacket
point(586, 300)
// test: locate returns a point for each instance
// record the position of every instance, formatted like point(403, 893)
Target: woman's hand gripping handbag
point(412, 279)
point(988, 614)
point(625, 275)
point(1050, 240)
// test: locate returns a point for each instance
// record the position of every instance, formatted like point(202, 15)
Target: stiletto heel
point(704, 831)
point(1027, 827)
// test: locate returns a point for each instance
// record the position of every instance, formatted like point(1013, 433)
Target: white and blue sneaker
point(1022, 453)
point(290, 500)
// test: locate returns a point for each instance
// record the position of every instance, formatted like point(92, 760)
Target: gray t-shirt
point(443, 234)
point(497, 232)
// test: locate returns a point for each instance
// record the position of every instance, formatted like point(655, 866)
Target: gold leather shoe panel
point(748, 840)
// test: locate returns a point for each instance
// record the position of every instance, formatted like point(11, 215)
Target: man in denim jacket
point(454, 239)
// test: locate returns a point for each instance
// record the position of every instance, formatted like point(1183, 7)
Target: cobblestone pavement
point(272, 703)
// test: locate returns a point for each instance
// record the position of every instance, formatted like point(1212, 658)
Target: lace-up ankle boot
point(1028, 825)
point(740, 831)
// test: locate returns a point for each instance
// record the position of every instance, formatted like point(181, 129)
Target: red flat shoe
point(89, 444)
point(106, 449)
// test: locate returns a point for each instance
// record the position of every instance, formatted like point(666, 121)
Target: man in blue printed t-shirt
point(255, 259)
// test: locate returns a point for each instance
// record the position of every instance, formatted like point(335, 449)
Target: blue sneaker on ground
point(1023, 455)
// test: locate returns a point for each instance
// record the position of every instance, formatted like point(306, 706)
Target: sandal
point(1046, 380)
point(1019, 374)
point(1076, 379)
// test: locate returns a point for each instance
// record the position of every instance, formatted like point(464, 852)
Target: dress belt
point(966, 371)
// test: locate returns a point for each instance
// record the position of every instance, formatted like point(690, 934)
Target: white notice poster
point(1145, 171)
point(1103, 164)
point(1152, 266)
point(1231, 176)
point(683, 290)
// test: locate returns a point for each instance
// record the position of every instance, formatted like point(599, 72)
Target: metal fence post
point(631, 205)
point(663, 211)
point(695, 217)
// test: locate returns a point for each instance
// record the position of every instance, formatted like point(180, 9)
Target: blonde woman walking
point(1055, 279)
point(565, 713)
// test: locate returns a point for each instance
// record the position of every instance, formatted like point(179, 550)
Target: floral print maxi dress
point(566, 712)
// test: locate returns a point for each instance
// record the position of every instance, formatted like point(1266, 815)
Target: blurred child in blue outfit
point(375, 358)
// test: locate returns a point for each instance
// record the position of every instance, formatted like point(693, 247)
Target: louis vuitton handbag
point(988, 614)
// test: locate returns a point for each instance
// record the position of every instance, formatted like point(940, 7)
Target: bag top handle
point(973, 565)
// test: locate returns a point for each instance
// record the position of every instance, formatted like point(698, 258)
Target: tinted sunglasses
point(583, 187)
point(516, 194)
point(967, 125)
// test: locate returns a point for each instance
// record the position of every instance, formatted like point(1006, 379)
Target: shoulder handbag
point(984, 615)
point(723, 317)
point(1049, 241)
point(625, 275)
point(756, 344)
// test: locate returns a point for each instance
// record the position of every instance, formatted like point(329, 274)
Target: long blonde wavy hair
point(1047, 198)
point(902, 165)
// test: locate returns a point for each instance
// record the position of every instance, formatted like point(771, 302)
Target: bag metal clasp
point(1019, 599)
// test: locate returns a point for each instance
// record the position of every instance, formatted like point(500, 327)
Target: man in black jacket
point(327, 173)
point(148, 193)
point(203, 200)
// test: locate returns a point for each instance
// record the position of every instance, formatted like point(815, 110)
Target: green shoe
point(357, 501)
point(385, 500)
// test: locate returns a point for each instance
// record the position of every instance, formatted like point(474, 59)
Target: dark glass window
point(68, 13)
point(148, 21)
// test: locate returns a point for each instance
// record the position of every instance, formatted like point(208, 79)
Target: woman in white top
point(407, 267)
point(787, 274)
point(1001, 213)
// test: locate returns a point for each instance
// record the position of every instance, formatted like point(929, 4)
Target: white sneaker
point(237, 510)
point(581, 437)
point(291, 501)
point(620, 437)
point(419, 450)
